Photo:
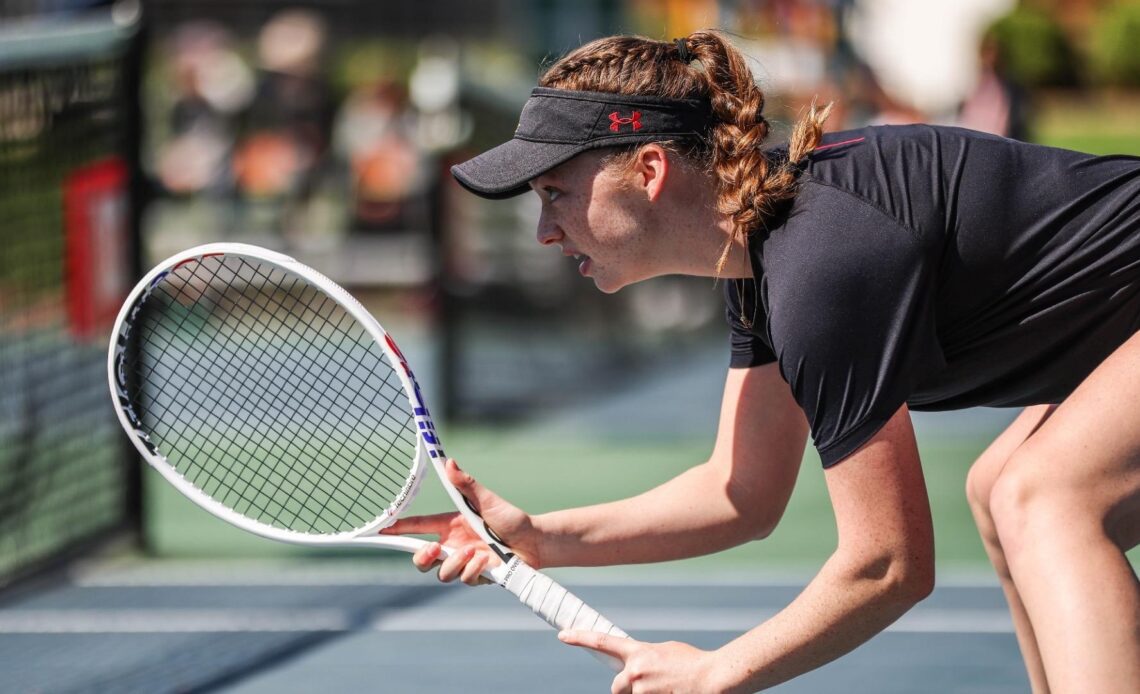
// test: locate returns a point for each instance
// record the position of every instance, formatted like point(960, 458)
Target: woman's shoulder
point(916, 138)
point(900, 170)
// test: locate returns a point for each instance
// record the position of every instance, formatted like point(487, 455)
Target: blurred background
point(130, 130)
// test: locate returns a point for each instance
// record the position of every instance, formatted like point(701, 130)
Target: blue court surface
point(260, 621)
point(377, 626)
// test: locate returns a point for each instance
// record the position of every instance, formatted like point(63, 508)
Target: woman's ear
point(651, 169)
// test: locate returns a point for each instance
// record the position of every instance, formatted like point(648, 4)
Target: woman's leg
point(983, 473)
point(1066, 507)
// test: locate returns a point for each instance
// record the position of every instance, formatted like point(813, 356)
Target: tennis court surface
point(355, 626)
point(224, 611)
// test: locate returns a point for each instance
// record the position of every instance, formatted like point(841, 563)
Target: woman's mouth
point(584, 261)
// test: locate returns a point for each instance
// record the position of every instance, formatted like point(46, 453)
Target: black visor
point(557, 124)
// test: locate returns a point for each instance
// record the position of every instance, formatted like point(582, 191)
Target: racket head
point(180, 308)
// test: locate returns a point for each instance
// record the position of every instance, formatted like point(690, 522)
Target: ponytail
point(750, 185)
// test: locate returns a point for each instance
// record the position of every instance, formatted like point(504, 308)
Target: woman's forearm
point(698, 512)
point(845, 605)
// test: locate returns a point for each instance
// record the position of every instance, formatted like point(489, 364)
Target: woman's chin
point(611, 283)
point(608, 285)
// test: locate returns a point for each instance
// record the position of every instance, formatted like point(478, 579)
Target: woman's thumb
point(465, 483)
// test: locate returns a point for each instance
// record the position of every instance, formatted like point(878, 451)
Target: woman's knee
point(979, 482)
point(989, 465)
point(1011, 497)
point(1038, 494)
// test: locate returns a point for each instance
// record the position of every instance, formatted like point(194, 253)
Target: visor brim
point(505, 171)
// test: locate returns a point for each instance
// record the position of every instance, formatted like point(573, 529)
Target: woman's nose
point(548, 233)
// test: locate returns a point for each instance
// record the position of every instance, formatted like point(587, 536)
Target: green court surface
point(620, 444)
point(544, 473)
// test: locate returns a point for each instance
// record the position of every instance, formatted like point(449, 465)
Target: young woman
point(866, 273)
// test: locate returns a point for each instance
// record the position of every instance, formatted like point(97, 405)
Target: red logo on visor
point(617, 121)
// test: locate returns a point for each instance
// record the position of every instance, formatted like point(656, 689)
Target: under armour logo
point(617, 121)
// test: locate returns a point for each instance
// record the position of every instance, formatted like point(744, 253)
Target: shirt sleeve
point(748, 348)
point(851, 319)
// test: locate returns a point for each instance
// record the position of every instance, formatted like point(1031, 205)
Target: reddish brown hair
point(749, 185)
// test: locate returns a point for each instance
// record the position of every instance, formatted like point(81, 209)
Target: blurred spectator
point(862, 100)
point(434, 88)
point(210, 84)
point(387, 172)
point(285, 130)
point(802, 53)
point(997, 104)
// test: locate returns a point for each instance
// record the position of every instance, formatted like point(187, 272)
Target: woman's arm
point(884, 564)
point(738, 495)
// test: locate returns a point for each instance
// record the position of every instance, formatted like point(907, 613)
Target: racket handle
point(559, 607)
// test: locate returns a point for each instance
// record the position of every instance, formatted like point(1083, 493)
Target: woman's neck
point(700, 232)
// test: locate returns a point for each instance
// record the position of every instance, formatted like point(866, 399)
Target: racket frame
point(549, 600)
point(118, 383)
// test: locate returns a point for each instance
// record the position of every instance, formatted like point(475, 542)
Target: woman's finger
point(472, 572)
point(427, 556)
point(615, 646)
point(622, 684)
point(479, 496)
point(433, 524)
point(451, 567)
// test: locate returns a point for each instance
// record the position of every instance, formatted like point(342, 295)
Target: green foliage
point(1114, 51)
point(1034, 49)
point(360, 63)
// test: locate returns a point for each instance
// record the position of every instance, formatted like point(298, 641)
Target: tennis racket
point(271, 398)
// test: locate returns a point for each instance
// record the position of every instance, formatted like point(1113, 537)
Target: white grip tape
point(559, 607)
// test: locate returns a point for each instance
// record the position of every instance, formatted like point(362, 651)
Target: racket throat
point(506, 556)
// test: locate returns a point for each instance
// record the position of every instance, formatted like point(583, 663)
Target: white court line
point(918, 621)
point(438, 619)
point(168, 621)
point(195, 575)
point(208, 574)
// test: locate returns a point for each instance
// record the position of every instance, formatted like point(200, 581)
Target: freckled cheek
point(591, 223)
point(602, 218)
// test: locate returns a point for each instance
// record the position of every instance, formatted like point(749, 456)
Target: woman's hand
point(652, 667)
point(471, 555)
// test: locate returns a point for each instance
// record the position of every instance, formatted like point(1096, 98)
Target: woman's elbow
point(756, 517)
point(910, 579)
point(902, 579)
point(763, 524)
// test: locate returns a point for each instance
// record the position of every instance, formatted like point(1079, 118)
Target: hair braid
point(619, 65)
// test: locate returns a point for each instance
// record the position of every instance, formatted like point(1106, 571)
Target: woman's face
point(597, 214)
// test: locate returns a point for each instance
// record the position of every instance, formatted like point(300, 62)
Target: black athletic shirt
point(942, 268)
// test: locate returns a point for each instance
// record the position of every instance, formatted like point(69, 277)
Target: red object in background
point(95, 216)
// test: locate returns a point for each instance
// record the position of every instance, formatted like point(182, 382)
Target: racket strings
point(254, 480)
point(338, 345)
point(370, 362)
point(267, 395)
point(346, 474)
point(223, 402)
point(298, 378)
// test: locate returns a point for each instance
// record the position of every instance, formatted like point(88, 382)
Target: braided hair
point(749, 183)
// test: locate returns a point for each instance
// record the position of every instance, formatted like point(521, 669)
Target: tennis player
point(866, 273)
